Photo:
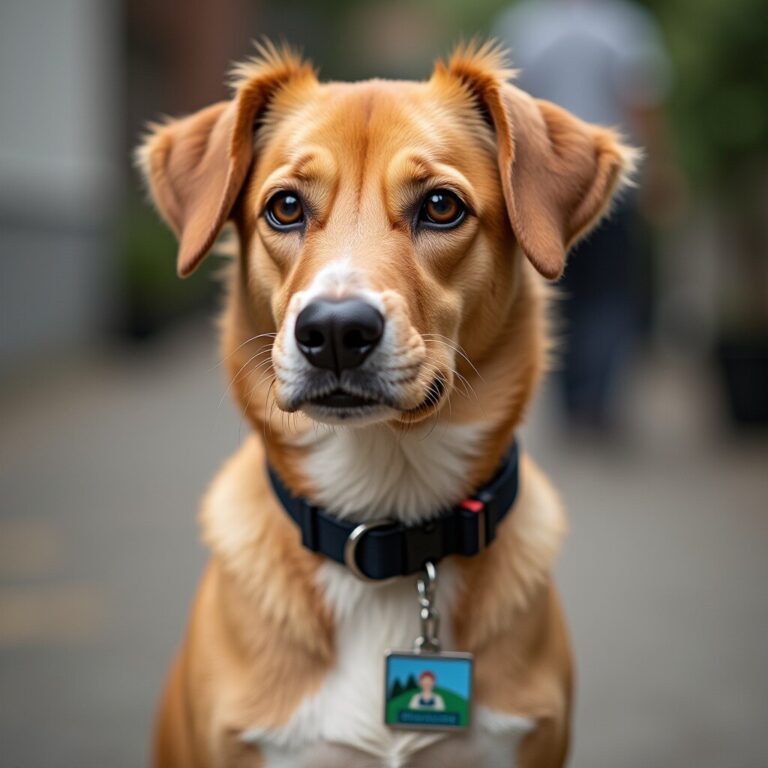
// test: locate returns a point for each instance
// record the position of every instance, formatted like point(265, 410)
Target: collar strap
point(383, 549)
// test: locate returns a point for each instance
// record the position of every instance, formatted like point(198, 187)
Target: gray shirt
point(596, 58)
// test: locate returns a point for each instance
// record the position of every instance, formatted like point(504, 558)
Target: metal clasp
point(429, 639)
point(350, 549)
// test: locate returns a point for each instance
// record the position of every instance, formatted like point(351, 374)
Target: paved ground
point(101, 469)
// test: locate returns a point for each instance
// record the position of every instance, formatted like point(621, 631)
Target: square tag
point(427, 691)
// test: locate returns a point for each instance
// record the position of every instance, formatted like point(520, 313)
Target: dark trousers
point(599, 312)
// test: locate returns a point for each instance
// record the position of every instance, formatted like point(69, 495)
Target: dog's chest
point(343, 723)
point(374, 473)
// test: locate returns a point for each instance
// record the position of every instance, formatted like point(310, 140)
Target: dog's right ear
point(558, 174)
point(195, 166)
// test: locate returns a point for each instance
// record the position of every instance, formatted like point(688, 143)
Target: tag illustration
point(428, 691)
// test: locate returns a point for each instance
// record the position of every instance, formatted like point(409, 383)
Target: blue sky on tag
point(453, 674)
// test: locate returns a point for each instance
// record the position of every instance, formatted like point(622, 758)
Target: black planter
point(743, 363)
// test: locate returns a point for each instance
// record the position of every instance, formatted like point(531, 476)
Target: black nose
point(338, 334)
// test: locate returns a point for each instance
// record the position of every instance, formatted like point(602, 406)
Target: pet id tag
point(426, 689)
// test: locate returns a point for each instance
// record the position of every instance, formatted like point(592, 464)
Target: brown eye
point(442, 210)
point(284, 211)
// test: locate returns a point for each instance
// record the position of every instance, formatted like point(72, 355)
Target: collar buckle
point(352, 543)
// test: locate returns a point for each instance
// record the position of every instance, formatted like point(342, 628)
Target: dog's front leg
point(173, 744)
point(546, 746)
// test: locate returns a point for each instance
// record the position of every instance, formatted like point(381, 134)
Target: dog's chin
point(340, 407)
point(349, 416)
point(343, 408)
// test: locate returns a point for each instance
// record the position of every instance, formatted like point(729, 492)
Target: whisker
point(245, 409)
point(240, 346)
point(457, 348)
point(235, 378)
point(467, 386)
point(266, 403)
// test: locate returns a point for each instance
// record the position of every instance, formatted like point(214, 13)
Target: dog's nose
point(338, 334)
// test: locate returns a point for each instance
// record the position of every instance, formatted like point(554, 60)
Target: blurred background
point(654, 427)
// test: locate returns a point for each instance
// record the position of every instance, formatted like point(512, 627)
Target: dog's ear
point(558, 173)
point(195, 166)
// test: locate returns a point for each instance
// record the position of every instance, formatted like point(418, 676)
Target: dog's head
point(383, 225)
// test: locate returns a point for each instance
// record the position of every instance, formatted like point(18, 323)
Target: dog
point(384, 330)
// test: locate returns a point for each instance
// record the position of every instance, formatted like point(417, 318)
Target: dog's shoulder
point(509, 615)
point(259, 552)
point(503, 584)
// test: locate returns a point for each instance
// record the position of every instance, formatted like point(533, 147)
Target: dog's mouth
point(341, 399)
point(340, 406)
point(343, 405)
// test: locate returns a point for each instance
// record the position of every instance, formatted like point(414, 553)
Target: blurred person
point(603, 60)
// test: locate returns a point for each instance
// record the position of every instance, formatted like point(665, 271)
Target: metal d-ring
point(350, 549)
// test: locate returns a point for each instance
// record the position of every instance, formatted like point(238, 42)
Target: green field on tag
point(456, 712)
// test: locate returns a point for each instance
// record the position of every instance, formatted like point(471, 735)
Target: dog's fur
point(282, 662)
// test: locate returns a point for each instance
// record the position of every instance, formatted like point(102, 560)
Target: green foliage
point(153, 293)
point(148, 251)
point(719, 103)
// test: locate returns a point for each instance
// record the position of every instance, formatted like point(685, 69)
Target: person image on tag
point(427, 698)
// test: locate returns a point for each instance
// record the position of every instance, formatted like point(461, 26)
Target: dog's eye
point(284, 211)
point(441, 210)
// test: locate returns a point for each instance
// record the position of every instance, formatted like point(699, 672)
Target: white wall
point(59, 113)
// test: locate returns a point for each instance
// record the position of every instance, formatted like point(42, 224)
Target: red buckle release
point(472, 505)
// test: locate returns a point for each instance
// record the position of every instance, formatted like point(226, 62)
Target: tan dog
point(420, 213)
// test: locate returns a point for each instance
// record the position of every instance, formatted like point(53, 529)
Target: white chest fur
point(374, 471)
point(343, 723)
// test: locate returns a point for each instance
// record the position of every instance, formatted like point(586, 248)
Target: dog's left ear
point(558, 173)
point(195, 166)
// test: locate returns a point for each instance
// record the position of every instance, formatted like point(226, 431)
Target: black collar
point(383, 549)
